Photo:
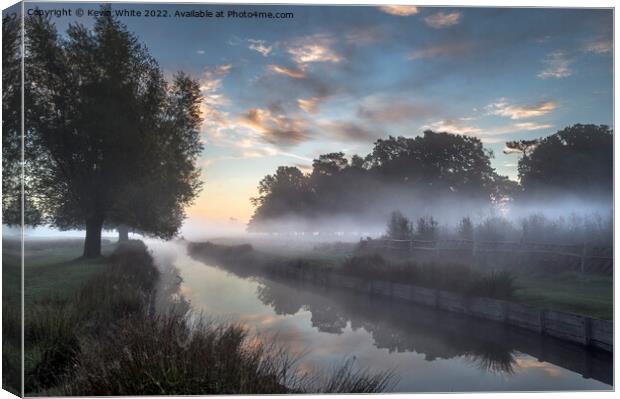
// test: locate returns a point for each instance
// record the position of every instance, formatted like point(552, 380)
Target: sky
point(337, 78)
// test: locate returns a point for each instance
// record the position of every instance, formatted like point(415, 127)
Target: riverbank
point(100, 335)
point(587, 294)
point(439, 292)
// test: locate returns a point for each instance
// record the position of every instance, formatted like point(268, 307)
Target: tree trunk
point(123, 233)
point(92, 243)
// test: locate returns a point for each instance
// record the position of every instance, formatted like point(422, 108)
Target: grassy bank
point(590, 295)
point(99, 335)
point(455, 278)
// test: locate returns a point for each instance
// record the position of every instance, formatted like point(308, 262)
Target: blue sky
point(283, 91)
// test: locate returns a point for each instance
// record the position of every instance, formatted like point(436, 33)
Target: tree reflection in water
point(394, 326)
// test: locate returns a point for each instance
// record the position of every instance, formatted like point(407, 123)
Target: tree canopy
point(422, 169)
point(577, 160)
point(109, 140)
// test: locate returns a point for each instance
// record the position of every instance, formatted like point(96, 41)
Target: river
point(427, 350)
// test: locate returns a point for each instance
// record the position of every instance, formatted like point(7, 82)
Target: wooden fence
point(583, 258)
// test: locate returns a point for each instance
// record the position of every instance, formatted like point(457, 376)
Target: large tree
point(112, 141)
point(577, 160)
point(11, 120)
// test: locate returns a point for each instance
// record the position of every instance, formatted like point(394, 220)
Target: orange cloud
point(278, 130)
point(311, 49)
point(291, 73)
point(443, 20)
point(309, 105)
point(400, 10)
point(503, 108)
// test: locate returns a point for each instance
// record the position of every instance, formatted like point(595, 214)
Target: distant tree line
point(571, 229)
point(576, 161)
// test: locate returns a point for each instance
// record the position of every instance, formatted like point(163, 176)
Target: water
point(428, 350)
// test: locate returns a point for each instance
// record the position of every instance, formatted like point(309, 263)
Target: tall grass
point(11, 345)
point(449, 277)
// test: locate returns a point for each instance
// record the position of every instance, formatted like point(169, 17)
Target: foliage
point(11, 131)
point(465, 229)
point(456, 278)
point(399, 227)
point(427, 228)
point(577, 160)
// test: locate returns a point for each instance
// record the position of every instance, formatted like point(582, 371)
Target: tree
point(12, 182)
point(465, 229)
point(523, 147)
point(11, 120)
point(112, 141)
point(399, 227)
point(286, 192)
point(427, 228)
point(576, 160)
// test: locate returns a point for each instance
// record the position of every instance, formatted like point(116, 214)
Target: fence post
point(583, 258)
point(587, 331)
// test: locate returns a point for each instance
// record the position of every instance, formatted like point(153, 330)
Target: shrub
point(495, 284)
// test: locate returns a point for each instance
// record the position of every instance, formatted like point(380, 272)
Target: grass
point(51, 268)
point(591, 295)
point(97, 333)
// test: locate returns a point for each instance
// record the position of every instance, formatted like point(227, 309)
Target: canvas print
point(203, 199)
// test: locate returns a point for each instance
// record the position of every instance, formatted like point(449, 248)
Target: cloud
point(364, 34)
point(600, 46)
point(275, 129)
point(200, 52)
point(260, 46)
point(310, 49)
point(304, 167)
point(445, 50)
point(452, 126)
point(532, 126)
point(557, 65)
point(497, 132)
point(291, 73)
point(310, 105)
point(503, 108)
point(345, 131)
point(215, 119)
point(401, 11)
point(443, 20)
point(394, 111)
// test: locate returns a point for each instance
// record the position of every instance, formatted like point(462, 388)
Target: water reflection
point(400, 327)
point(430, 350)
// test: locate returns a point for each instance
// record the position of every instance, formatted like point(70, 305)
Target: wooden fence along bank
point(582, 258)
point(579, 329)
